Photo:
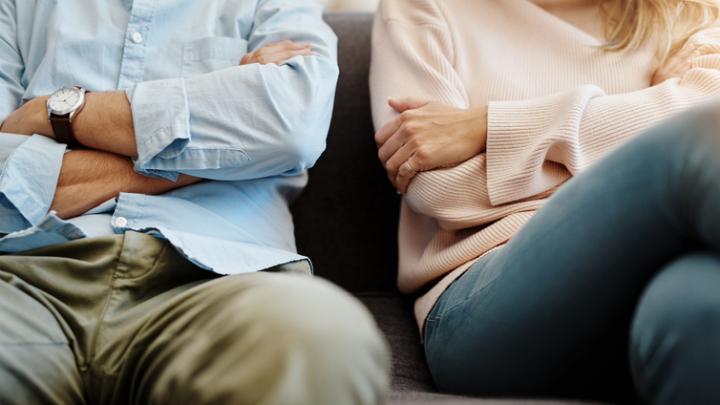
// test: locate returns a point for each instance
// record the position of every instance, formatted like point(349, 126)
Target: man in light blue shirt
point(147, 148)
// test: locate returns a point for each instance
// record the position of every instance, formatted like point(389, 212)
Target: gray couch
point(346, 220)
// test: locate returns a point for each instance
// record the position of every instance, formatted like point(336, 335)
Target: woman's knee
point(674, 351)
point(671, 143)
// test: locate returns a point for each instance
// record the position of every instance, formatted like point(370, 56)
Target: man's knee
point(275, 338)
point(37, 363)
point(675, 332)
point(337, 350)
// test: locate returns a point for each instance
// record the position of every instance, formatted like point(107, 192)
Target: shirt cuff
point(161, 117)
point(28, 182)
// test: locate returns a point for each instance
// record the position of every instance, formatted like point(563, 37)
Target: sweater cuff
point(521, 136)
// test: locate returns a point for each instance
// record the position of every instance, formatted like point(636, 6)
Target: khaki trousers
point(127, 320)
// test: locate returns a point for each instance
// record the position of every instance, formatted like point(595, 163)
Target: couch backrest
point(346, 220)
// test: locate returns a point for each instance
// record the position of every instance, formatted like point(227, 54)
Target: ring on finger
point(409, 167)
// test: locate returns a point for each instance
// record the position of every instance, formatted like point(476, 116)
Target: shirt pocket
point(209, 54)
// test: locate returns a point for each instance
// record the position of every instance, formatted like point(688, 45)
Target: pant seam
point(444, 312)
point(106, 305)
point(120, 267)
point(156, 262)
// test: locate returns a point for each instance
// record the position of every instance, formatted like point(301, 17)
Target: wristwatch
point(63, 106)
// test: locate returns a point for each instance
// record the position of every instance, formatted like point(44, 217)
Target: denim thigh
point(525, 316)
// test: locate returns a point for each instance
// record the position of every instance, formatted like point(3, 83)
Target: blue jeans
point(629, 248)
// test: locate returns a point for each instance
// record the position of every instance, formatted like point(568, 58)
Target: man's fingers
point(278, 57)
point(282, 57)
point(278, 53)
point(408, 103)
point(300, 45)
point(287, 45)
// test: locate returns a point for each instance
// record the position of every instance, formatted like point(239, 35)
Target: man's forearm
point(88, 178)
point(106, 124)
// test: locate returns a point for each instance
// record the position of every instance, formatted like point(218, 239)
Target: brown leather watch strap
point(62, 127)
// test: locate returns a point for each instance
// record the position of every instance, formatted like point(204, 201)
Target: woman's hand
point(428, 135)
point(680, 62)
point(277, 53)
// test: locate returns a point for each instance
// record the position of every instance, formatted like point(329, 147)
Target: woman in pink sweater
point(538, 226)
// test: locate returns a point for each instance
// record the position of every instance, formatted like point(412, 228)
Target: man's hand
point(277, 53)
point(427, 136)
point(31, 118)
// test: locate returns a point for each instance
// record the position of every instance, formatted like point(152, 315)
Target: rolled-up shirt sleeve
point(244, 122)
point(28, 179)
point(11, 63)
point(29, 166)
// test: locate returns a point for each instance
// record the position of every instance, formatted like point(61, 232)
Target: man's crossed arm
point(105, 126)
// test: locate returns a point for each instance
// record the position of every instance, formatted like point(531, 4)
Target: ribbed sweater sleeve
point(412, 56)
point(532, 142)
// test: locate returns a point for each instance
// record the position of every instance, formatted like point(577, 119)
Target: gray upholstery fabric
point(346, 220)
point(414, 398)
point(410, 372)
point(439, 399)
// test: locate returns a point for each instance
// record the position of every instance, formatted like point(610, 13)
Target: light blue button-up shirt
point(253, 130)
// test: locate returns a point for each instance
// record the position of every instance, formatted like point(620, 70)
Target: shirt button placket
point(132, 67)
point(120, 222)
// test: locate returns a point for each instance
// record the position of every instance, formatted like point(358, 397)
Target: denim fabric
point(644, 222)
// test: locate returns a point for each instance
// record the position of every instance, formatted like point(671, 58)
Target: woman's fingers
point(384, 133)
point(405, 164)
point(406, 173)
point(409, 103)
point(425, 136)
point(392, 145)
point(393, 164)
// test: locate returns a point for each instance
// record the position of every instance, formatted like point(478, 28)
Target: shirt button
point(136, 37)
point(120, 222)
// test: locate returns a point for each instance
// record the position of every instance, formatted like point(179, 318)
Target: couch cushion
point(346, 220)
point(423, 398)
point(411, 380)
point(393, 314)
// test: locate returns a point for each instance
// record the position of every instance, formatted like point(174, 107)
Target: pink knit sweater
point(557, 104)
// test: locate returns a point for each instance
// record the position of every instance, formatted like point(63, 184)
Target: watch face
point(65, 100)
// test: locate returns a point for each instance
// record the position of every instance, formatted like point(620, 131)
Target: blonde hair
point(629, 24)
